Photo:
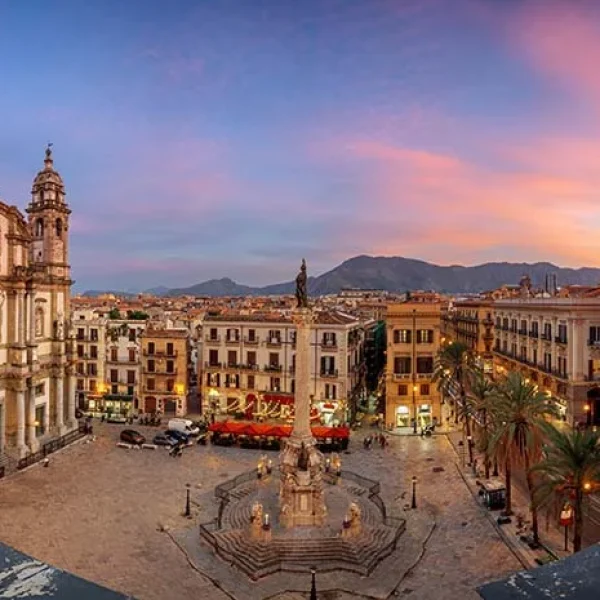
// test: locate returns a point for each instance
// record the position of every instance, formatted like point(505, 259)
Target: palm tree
point(481, 390)
point(520, 410)
point(454, 363)
point(570, 467)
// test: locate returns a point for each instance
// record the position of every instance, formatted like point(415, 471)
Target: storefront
point(424, 415)
point(109, 404)
point(402, 416)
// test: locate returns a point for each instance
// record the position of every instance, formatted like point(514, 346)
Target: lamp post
point(469, 446)
point(414, 492)
point(188, 508)
point(313, 584)
point(413, 366)
point(566, 519)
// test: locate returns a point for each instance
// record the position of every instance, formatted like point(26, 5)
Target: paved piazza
point(98, 511)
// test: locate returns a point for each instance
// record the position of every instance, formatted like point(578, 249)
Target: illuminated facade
point(413, 342)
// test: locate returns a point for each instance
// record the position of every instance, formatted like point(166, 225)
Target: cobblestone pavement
point(97, 509)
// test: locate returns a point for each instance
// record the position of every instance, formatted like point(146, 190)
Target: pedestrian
point(103, 418)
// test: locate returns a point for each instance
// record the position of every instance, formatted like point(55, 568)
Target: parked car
point(177, 435)
point(184, 425)
point(116, 419)
point(162, 439)
point(132, 437)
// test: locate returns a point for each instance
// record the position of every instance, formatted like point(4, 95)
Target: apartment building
point(164, 373)
point(123, 366)
point(556, 343)
point(413, 342)
point(89, 343)
point(248, 362)
point(470, 322)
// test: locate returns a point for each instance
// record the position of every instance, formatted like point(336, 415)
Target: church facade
point(37, 385)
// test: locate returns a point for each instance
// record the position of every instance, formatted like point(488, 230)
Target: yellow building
point(413, 342)
point(470, 322)
point(164, 370)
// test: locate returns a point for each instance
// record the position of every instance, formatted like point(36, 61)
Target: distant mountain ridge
point(396, 274)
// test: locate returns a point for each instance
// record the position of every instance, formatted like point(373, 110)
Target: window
point(424, 389)
point(170, 351)
point(330, 391)
point(402, 336)
point(79, 351)
point(595, 335)
point(547, 361)
point(425, 364)
point(513, 325)
point(425, 336)
point(40, 389)
point(151, 366)
point(233, 335)
point(562, 366)
point(293, 386)
point(327, 365)
point(130, 390)
point(275, 384)
point(274, 336)
point(150, 383)
point(170, 366)
point(534, 356)
point(274, 360)
point(94, 335)
point(329, 339)
point(80, 333)
point(402, 365)
point(402, 390)
point(231, 358)
point(213, 335)
point(92, 369)
point(132, 335)
point(93, 386)
point(251, 382)
point(40, 417)
point(114, 354)
point(547, 331)
point(39, 227)
point(170, 385)
point(293, 337)
point(131, 377)
point(251, 358)
point(114, 376)
point(523, 328)
point(80, 385)
point(213, 358)
point(94, 352)
point(39, 322)
point(562, 334)
point(151, 348)
point(251, 335)
point(535, 328)
point(80, 369)
point(132, 355)
point(114, 389)
point(59, 228)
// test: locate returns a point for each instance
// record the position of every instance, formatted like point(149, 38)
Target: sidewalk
point(551, 538)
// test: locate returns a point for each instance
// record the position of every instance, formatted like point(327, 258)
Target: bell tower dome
point(49, 220)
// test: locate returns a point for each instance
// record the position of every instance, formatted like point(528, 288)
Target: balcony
point(251, 341)
point(560, 339)
point(329, 373)
point(213, 339)
point(273, 368)
point(274, 342)
point(402, 376)
point(545, 337)
point(159, 371)
point(594, 343)
point(428, 375)
point(522, 332)
point(534, 334)
point(593, 377)
point(161, 353)
point(212, 365)
point(329, 344)
point(234, 340)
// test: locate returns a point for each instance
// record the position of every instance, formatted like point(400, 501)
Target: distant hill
point(398, 274)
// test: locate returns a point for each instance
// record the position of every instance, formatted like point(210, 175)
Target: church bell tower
point(49, 221)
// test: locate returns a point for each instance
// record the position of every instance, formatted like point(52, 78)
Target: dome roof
point(48, 178)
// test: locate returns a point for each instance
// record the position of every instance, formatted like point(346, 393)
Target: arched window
point(39, 322)
point(39, 227)
point(59, 228)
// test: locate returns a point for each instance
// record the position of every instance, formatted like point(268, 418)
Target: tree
point(137, 315)
point(481, 390)
point(519, 411)
point(570, 467)
point(454, 363)
point(114, 313)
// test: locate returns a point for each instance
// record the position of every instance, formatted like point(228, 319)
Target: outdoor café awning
point(267, 430)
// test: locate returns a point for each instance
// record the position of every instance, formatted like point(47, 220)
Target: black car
point(162, 439)
point(132, 437)
point(178, 436)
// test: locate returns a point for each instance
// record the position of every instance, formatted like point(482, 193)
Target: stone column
point(2, 428)
point(31, 439)
point(71, 419)
point(22, 318)
point(21, 447)
point(31, 332)
point(301, 431)
point(60, 407)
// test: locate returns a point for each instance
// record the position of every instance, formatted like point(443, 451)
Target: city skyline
point(200, 142)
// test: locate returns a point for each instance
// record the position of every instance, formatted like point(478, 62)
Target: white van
point(183, 425)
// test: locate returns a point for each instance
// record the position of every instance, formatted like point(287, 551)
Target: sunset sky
point(202, 139)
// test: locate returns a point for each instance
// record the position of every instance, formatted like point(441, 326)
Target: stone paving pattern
point(97, 511)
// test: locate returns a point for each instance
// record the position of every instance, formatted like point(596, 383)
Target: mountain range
point(393, 274)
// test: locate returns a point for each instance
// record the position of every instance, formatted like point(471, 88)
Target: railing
point(534, 334)
point(560, 339)
point(159, 371)
point(371, 486)
point(251, 367)
point(401, 376)
point(223, 489)
point(273, 368)
point(232, 340)
point(211, 365)
point(161, 353)
point(522, 332)
point(330, 344)
point(593, 342)
point(329, 373)
point(52, 446)
point(252, 342)
point(274, 342)
point(213, 338)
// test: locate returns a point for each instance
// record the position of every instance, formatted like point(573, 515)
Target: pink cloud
point(562, 40)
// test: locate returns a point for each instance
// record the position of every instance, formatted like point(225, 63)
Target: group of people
point(372, 439)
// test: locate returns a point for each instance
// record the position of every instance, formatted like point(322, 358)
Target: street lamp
point(414, 492)
point(188, 508)
point(313, 584)
point(469, 448)
point(414, 390)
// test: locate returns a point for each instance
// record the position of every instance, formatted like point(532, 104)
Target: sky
point(230, 138)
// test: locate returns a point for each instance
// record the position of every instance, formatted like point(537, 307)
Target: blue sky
point(232, 138)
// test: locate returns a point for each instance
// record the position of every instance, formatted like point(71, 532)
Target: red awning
point(279, 398)
point(264, 429)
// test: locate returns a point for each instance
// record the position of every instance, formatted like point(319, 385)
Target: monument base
point(301, 498)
